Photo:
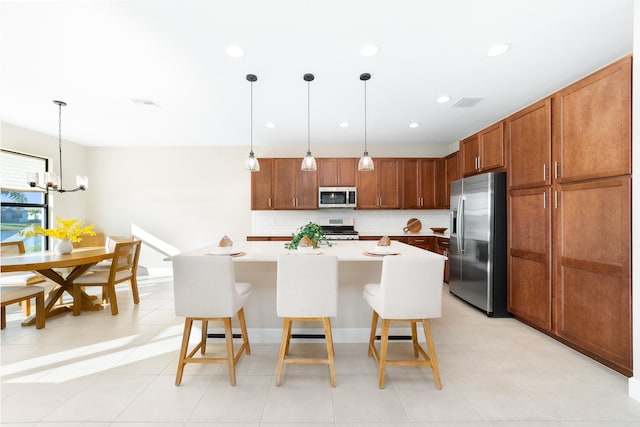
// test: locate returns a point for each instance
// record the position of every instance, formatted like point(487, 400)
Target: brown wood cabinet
point(440, 183)
point(334, 172)
point(528, 134)
point(570, 221)
point(483, 151)
point(261, 196)
point(592, 125)
point(529, 256)
point(453, 173)
point(592, 269)
point(419, 190)
point(381, 187)
point(293, 188)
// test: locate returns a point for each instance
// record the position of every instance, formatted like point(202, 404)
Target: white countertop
point(345, 250)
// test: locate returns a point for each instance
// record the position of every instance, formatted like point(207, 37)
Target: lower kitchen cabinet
point(592, 270)
point(529, 295)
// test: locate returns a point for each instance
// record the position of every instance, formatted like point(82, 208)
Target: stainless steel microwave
point(337, 197)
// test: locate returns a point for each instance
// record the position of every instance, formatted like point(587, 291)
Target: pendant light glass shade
point(251, 164)
point(366, 162)
point(309, 162)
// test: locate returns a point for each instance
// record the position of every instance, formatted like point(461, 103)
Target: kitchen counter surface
point(396, 234)
point(345, 250)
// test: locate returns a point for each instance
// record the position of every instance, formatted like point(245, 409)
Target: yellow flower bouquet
point(71, 229)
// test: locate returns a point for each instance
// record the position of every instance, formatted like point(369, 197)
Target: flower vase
point(64, 246)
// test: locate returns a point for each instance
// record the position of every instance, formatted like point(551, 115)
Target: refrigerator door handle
point(460, 234)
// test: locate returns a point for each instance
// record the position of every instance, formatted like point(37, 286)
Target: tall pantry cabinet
point(570, 215)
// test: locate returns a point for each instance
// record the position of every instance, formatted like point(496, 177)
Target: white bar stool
point(410, 290)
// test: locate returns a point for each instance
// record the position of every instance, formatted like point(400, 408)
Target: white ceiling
point(99, 55)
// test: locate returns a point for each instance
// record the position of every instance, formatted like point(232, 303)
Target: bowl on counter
point(438, 229)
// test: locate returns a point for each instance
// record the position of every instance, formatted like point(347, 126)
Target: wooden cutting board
point(413, 226)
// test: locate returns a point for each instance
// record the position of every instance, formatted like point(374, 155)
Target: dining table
point(61, 269)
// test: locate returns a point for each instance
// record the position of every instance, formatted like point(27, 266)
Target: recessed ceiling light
point(369, 50)
point(235, 51)
point(344, 125)
point(270, 125)
point(443, 99)
point(499, 49)
point(414, 125)
point(144, 101)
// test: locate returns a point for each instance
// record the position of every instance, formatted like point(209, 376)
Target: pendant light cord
point(60, 140)
point(308, 117)
point(365, 116)
point(251, 120)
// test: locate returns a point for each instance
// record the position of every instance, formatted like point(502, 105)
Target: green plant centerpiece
point(312, 232)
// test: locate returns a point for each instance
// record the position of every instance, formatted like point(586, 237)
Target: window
point(22, 206)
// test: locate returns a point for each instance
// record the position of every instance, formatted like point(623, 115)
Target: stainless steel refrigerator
point(478, 242)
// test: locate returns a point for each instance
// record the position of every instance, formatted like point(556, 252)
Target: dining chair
point(410, 290)
point(16, 279)
point(205, 289)
point(307, 291)
point(110, 243)
point(14, 294)
point(124, 267)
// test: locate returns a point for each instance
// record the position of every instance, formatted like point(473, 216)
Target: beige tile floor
point(102, 370)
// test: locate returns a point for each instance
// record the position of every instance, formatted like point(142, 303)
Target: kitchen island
point(257, 265)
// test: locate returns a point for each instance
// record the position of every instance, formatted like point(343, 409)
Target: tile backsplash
point(283, 223)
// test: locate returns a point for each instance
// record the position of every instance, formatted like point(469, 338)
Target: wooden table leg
point(51, 309)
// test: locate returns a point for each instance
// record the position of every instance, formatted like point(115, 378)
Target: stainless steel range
point(339, 229)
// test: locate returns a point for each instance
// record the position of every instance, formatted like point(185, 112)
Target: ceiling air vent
point(467, 101)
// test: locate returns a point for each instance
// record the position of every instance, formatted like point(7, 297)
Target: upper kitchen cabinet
point(419, 184)
point(261, 197)
point(592, 125)
point(452, 173)
point(293, 188)
point(381, 187)
point(440, 182)
point(528, 134)
point(483, 151)
point(337, 172)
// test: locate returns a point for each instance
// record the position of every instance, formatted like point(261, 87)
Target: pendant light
point(52, 180)
point(309, 162)
point(366, 162)
point(251, 164)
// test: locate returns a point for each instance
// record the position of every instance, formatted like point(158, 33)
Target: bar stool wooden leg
point(414, 338)
point(372, 335)
point(431, 347)
point(243, 329)
point(188, 322)
point(203, 340)
point(284, 346)
point(384, 344)
point(229, 336)
point(330, 352)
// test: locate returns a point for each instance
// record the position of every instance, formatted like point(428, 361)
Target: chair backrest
point(112, 240)
point(204, 286)
point(87, 241)
point(124, 263)
point(11, 248)
point(307, 286)
point(411, 287)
